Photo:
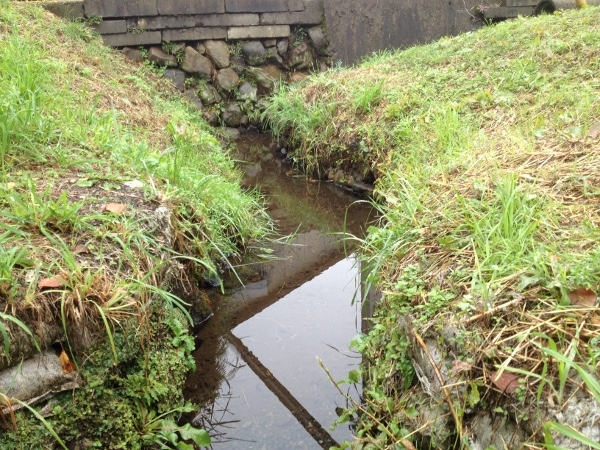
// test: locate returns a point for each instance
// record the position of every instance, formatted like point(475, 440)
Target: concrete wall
point(150, 22)
point(357, 27)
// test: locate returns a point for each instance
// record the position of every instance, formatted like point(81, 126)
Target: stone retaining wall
point(151, 22)
point(224, 55)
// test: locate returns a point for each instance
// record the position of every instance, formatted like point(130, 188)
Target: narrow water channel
point(262, 359)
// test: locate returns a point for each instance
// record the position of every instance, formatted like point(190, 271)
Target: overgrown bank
point(486, 152)
point(116, 201)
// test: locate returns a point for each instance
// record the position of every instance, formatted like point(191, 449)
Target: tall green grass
point(74, 116)
point(484, 188)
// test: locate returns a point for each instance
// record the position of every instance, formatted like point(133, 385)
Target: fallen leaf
point(594, 130)
point(460, 366)
point(506, 382)
point(65, 362)
point(81, 249)
point(583, 297)
point(85, 183)
point(116, 208)
point(134, 184)
point(11, 185)
point(407, 444)
point(50, 283)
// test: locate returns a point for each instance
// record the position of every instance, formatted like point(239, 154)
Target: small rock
point(323, 67)
point(338, 176)
point(161, 58)
point(267, 78)
point(254, 53)
point(218, 52)
point(196, 64)
point(134, 184)
point(247, 92)
point(282, 47)
point(319, 40)
point(270, 42)
point(233, 134)
point(200, 48)
point(177, 47)
point(177, 77)
point(193, 97)
point(245, 121)
point(209, 95)
point(211, 118)
point(238, 64)
point(133, 54)
point(300, 57)
point(227, 80)
point(274, 58)
point(232, 116)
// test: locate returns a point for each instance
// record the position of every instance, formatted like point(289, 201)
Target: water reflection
point(315, 321)
point(257, 369)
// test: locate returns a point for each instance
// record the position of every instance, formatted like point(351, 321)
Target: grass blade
point(44, 421)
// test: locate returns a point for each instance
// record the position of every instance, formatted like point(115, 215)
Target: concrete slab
point(195, 34)
point(132, 39)
point(292, 18)
point(111, 27)
point(256, 6)
point(178, 7)
point(227, 20)
point(260, 32)
point(120, 8)
point(295, 5)
point(161, 22)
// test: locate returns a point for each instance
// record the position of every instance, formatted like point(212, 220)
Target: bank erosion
point(486, 151)
point(116, 202)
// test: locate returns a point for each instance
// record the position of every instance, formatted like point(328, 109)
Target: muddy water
point(262, 359)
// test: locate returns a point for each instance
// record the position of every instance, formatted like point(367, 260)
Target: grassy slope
point(487, 154)
point(76, 122)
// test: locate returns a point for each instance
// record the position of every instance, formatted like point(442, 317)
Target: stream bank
point(487, 250)
point(100, 222)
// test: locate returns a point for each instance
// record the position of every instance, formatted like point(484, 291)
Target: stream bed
point(265, 359)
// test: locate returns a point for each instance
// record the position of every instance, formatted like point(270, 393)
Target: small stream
point(261, 359)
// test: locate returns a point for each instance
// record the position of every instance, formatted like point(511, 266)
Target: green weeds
point(489, 216)
point(82, 250)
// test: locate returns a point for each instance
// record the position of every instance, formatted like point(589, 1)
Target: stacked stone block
point(150, 22)
point(224, 55)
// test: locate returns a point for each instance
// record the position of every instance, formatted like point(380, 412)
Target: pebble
point(134, 184)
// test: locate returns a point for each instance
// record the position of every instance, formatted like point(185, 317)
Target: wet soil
point(258, 374)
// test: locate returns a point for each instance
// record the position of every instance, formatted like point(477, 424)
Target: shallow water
point(259, 374)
